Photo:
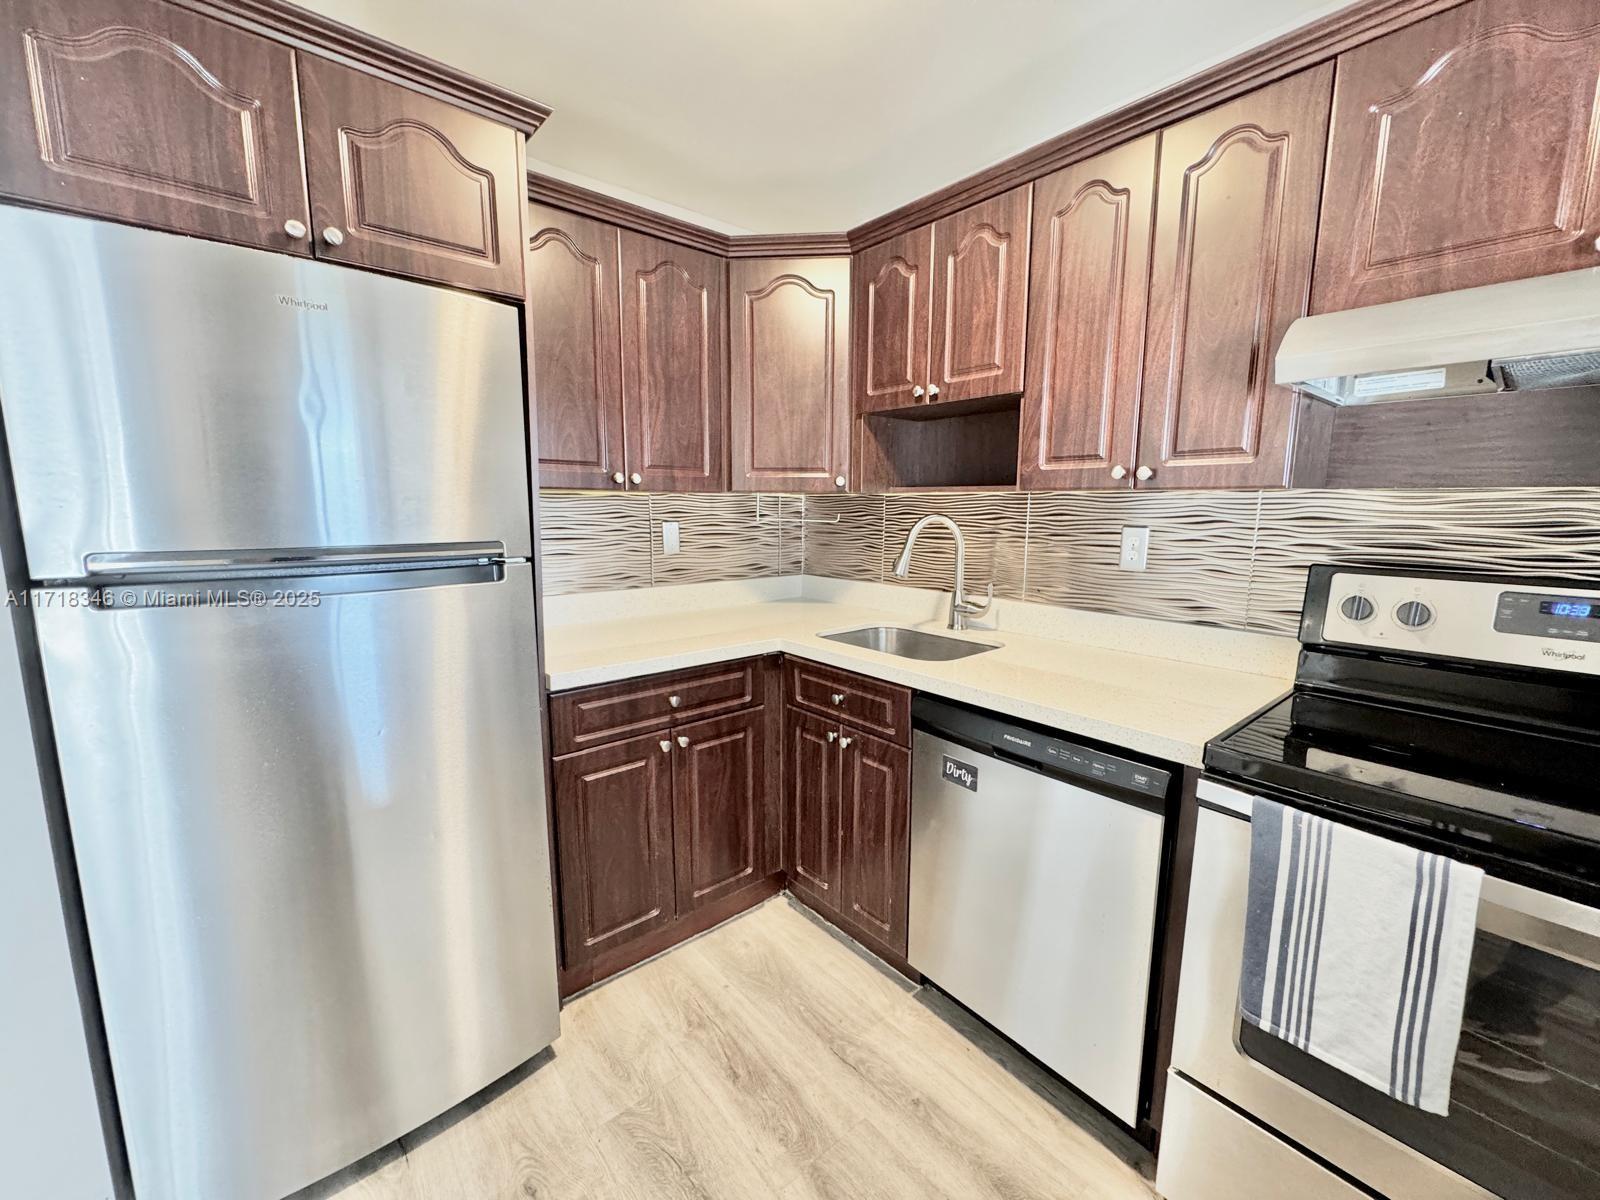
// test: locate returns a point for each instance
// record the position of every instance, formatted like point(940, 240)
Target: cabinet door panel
point(980, 299)
point(789, 331)
point(1465, 150)
point(875, 796)
point(1230, 271)
point(719, 799)
point(674, 304)
point(890, 282)
point(415, 186)
point(146, 113)
point(575, 348)
point(811, 776)
point(614, 843)
point(1090, 271)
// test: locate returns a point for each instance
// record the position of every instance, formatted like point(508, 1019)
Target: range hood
point(1523, 335)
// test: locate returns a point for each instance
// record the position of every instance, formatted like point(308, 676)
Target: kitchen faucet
point(960, 607)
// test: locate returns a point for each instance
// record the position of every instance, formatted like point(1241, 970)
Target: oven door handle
point(1553, 924)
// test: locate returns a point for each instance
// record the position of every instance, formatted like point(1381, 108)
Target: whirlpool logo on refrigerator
point(961, 774)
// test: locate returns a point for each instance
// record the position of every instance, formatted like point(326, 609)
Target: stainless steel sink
point(910, 643)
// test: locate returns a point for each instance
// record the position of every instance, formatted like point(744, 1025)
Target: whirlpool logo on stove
point(961, 774)
point(1564, 655)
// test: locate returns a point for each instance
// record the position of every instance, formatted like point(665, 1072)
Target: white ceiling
point(778, 116)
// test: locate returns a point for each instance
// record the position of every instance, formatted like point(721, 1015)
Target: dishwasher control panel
point(1056, 754)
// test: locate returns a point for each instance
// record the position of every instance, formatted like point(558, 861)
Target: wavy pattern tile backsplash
point(601, 541)
point(1236, 559)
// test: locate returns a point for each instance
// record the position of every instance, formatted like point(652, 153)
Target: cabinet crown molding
point(322, 35)
point(543, 189)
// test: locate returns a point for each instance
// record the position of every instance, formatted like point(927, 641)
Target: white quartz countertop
point(1157, 705)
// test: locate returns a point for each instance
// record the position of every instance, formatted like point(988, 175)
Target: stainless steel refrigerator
point(277, 517)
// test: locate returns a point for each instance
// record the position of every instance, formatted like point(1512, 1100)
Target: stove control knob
point(1356, 608)
point(1414, 614)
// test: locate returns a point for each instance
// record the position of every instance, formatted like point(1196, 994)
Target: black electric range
point(1460, 713)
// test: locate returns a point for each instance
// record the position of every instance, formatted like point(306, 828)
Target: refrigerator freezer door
point(313, 850)
point(165, 394)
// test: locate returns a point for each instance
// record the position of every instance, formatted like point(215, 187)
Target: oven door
point(1525, 1097)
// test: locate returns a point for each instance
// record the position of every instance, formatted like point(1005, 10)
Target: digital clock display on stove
point(1535, 614)
point(1572, 609)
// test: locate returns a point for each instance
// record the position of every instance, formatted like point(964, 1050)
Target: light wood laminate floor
point(768, 1057)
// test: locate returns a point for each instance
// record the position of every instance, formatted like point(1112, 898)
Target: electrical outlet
point(1135, 547)
point(670, 542)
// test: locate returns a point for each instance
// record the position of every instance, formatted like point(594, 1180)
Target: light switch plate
point(1135, 547)
point(670, 542)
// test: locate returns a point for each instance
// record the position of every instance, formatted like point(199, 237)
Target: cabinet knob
point(933, 391)
point(1145, 473)
point(636, 479)
point(838, 481)
point(833, 735)
point(838, 697)
point(1597, 243)
point(674, 700)
point(618, 477)
point(1119, 472)
point(666, 746)
point(916, 392)
point(295, 229)
point(683, 741)
point(844, 743)
point(333, 235)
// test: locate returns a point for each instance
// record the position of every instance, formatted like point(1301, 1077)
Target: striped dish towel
point(1356, 950)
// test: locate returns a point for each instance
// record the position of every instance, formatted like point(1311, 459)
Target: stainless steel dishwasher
point(1036, 863)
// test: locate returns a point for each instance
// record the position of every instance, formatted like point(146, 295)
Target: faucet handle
point(977, 610)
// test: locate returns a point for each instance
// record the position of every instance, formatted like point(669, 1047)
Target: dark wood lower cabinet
point(875, 818)
point(811, 773)
point(662, 835)
point(850, 816)
point(613, 808)
point(719, 804)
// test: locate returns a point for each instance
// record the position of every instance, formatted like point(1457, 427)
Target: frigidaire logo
point(296, 302)
point(1563, 655)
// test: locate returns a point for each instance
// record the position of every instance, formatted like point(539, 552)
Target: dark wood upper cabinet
point(811, 776)
point(720, 806)
point(575, 348)
point(1230, 271)
point(143, 112)
point(674, 365)
point(1089, 272)
point(875, 868)
point(1465, 151)
point(891, 306)
point(613, 812)
point(941, 312)
point(979, 300)
point(408, 184)
point(789, 378)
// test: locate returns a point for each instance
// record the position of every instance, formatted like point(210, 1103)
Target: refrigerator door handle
point(281, 590)
point(215, 564)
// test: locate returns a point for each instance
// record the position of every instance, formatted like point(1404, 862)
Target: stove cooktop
point(1524, 800)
